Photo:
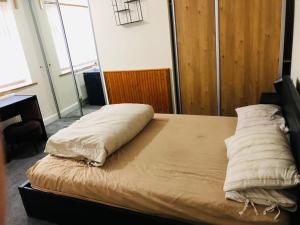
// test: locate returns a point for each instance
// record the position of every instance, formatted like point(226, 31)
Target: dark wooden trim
point(66, 210)
point(290, 103)
point(288, 37)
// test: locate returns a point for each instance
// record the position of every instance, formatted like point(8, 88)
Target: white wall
point(295, 72)
point(142, 45)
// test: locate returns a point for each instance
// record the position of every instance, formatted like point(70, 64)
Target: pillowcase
point(260, 110)
point(252, 122)
point(259, 157)
point(283, 198)
point(254, 115)
point(97, 135)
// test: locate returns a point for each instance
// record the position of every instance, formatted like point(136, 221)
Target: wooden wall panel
point(195, 24)
point(249, 50)
point(141, 86)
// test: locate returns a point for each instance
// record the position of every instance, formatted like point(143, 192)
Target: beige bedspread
point(174, 168)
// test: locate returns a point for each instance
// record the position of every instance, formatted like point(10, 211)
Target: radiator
point(140, 86)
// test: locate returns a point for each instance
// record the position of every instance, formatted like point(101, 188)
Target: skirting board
point(50, 119)
point(64, 112)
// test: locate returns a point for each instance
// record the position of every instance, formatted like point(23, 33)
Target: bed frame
point(66, 210)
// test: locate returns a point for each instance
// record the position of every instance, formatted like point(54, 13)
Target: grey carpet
point(16, 173)
point(59, 124)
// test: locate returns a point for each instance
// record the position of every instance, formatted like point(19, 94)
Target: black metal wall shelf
point(127, 11)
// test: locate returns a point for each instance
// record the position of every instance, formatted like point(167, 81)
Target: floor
point(70, 118)
point(16, 174)
point(86, 109)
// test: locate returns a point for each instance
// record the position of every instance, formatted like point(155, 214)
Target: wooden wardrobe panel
point(195, 24)
point(249, 50)
point(140, 86)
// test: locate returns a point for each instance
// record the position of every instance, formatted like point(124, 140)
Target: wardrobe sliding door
point(250, 32)
point(195, 24)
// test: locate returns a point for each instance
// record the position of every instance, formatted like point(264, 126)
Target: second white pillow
point(264, 115)
point(260, 157)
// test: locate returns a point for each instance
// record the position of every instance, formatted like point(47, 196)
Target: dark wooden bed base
point(66, 210)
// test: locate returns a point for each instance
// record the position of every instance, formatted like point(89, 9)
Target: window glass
point(79, 33)
point(13, 65)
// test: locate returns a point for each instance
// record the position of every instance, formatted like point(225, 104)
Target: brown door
point(195, 24)
point(249, 50)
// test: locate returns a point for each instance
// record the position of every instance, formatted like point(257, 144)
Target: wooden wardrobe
point(249, 51)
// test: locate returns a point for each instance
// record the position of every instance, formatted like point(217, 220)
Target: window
point(76, 19)
point(13, 65)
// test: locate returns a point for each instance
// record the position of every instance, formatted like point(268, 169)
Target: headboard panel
point(290, 103)
point(150, 86)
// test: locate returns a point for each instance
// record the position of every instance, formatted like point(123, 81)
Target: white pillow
point(256, 115)
point(97, 135)
point(260, 110)
point(252, 122)
point(282, 198)
point(259, 157)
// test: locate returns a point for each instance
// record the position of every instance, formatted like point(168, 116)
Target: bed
point(171, 173)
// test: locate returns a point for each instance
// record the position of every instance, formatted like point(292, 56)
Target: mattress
point(174, 168)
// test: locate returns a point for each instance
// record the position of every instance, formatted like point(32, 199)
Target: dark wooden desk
point(26, 106)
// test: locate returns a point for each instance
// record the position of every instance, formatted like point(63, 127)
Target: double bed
point(171, 173)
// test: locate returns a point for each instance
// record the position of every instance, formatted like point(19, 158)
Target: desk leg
point(30, 110)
